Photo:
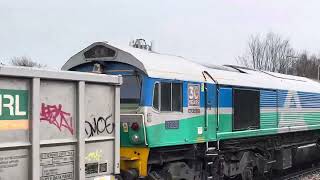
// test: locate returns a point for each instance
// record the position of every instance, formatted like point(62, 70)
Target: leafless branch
point(25, 61)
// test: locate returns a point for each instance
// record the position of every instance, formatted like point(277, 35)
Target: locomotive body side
point(179, 117)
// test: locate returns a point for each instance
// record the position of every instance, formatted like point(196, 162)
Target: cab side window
point(155, 102)
point(176, 96)
point(167, 96)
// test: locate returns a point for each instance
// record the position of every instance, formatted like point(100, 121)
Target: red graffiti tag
point(54, 115)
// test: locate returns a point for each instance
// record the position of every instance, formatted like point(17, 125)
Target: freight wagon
point(58, 125)
point(185, 120)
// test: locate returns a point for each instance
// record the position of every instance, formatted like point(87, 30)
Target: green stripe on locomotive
point(187, 133)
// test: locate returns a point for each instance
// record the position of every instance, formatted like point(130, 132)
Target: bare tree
point(307, 66)
point(25, 61)
point(271, 53)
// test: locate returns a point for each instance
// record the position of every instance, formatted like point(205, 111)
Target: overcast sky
point(206, 30)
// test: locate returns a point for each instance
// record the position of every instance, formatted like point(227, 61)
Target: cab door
point(211, 110)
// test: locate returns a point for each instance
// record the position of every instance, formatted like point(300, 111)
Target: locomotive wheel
point(247, 173)
point(176, 171)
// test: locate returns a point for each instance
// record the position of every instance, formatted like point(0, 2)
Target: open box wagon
point(58, 125)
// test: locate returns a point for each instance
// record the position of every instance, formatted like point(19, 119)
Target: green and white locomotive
point(184, 120)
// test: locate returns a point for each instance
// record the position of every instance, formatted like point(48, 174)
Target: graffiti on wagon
point(94, 156)
point(99, 125)
point(54, 115)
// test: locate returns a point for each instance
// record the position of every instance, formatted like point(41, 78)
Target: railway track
point(299, 174)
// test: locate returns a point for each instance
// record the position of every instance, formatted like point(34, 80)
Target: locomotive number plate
point(172, 124)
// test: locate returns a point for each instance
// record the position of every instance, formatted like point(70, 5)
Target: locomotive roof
point(175, 67)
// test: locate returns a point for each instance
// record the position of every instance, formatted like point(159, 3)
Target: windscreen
point(130, 91)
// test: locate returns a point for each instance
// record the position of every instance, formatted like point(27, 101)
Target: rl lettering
point(12, 103)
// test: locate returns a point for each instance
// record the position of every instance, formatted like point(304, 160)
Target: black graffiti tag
point(99, 125)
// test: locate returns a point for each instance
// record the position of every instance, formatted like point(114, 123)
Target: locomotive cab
point(165, 110)
point(135, 95)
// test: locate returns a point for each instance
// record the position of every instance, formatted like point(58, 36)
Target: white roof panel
point(175, 67)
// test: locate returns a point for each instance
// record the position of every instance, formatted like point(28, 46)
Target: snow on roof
point(175, 67)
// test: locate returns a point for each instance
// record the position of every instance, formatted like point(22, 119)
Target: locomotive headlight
point(135, 138)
